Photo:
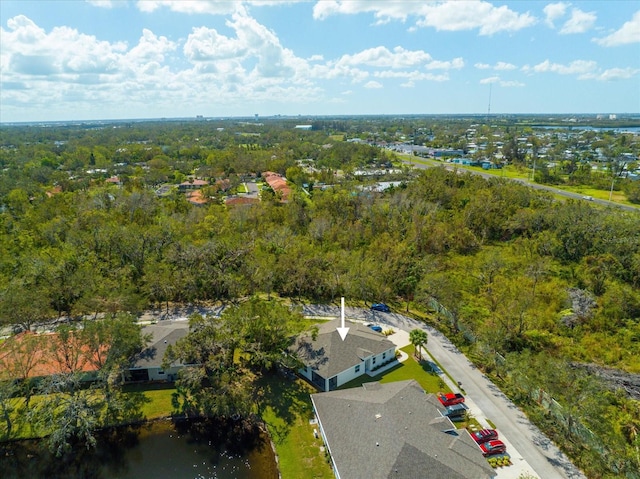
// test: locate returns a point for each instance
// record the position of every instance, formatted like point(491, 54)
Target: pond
point(158, 450)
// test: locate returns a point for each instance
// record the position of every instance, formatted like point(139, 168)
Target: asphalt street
point(540, 453)
point(424, 164)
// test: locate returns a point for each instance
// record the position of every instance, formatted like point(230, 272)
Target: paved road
point(536, 449)
point(423, 164)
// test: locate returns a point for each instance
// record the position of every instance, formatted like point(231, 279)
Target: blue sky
point(111, 59)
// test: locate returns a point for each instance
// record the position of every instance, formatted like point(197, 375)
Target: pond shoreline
point(137, 450)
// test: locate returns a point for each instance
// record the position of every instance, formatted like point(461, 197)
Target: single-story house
point(329, 361)
point(383, 431)
point(192, 184)
point(147, 365)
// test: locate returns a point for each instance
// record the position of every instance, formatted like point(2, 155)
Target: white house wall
point(349, 374)
point(159, 374)
point(381, 359)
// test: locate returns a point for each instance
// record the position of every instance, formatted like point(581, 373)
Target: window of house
point(374, 360)
point(358, 368)
point(161, 372)
point(384, 355)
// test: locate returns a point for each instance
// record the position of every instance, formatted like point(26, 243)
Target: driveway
point(530, 450)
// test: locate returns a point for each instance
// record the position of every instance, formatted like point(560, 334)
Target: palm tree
point(418, 338)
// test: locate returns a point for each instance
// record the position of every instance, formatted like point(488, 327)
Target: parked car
point(484, 435)
point(490, 448)
point(381, 307)
point(376, 328)
point(456, 412)
point(449, 399)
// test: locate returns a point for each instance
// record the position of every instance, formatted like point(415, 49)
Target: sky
point(121, 59)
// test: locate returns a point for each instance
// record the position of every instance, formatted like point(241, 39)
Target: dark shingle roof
point(329, 355)
point(377, 429)
point(162, 335)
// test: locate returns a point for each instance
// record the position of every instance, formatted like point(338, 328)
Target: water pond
point(158, 450)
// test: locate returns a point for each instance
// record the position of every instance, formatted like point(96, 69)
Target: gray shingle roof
point(395, 430)
point(162, 335)
point(329, 355)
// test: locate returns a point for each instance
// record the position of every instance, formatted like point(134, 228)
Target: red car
point(449, 399)
point(490, 448)
point(484, 435)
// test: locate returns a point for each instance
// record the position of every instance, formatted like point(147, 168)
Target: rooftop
point(383, 431)
point(329, 355)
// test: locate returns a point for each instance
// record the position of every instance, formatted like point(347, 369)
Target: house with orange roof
point(278, 184)
point(196, 197)
point(30, 355)
point(192, 184)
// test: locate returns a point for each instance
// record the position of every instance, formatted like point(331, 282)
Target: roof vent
point(378, 416)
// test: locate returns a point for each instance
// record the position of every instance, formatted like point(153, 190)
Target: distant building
point(304, 127)
point(192, 184)
point(278, 184)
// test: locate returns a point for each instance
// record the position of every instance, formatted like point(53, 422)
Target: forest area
point(537, 291)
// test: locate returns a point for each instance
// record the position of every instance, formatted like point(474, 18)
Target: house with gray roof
point(147, 365)
point(329, 361)
point(395, 430)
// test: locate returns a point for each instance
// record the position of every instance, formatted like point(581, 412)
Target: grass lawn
point(409, 369)
point(158, 399)
point(286, 409)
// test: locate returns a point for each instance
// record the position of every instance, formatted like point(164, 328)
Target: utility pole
point(489, 109)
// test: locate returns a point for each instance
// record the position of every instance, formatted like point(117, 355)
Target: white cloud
point(413, 76)
point(579, 22)
point(498, 66)
point(373, 84)
point(614, 74)
point(28, 50)
point(576, 67)
point(385, 58)
point(481, 15)
point(503, 83)
point(554, 11)
point(101, 3)
point(195, 7)
point(628, 33)
point(511, 84)
point(382, 10)
point(441, 15)
point(583, 70)
point(486, 81)
point(504, 66)
point(455, 64)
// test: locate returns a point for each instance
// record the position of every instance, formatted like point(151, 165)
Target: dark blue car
point(381, 307)
point(376, 328)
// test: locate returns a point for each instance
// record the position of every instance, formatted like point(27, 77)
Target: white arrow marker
point(342, 331)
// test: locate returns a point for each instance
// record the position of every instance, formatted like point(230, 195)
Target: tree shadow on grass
point(287, 398)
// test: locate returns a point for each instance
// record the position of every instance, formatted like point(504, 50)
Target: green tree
point(418, 338)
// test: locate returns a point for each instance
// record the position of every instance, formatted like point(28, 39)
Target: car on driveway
point(449, 399)
point(457, 412)
point(490, 448)
point(376, 328)
point(381, 307)
point(484, 435)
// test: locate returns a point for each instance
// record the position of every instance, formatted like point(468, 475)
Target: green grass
point(158, 399)
point(241, 188)
point(409, 369)
point(286, 409)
